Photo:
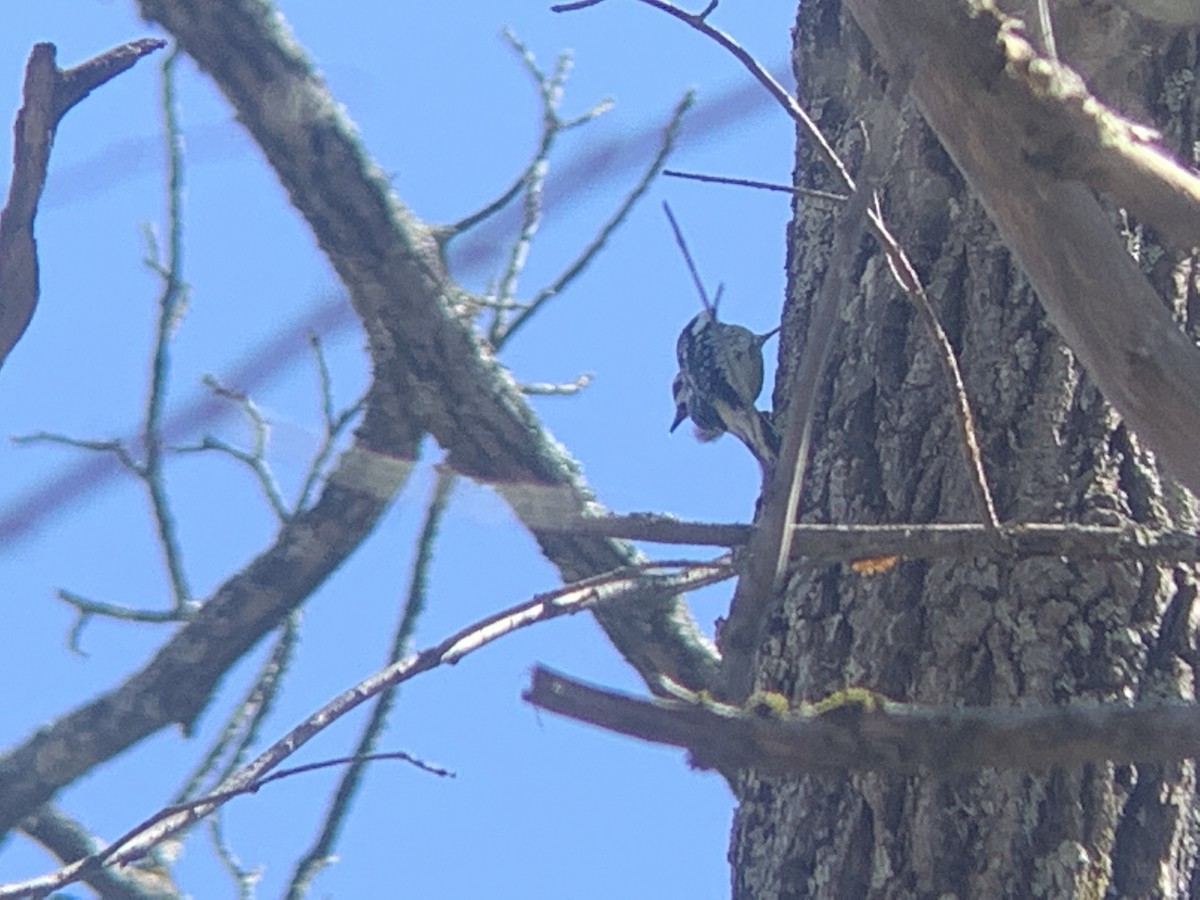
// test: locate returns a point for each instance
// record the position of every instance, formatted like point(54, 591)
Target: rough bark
point(973, 631)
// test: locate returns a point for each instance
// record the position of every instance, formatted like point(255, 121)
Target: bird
point(719, 380)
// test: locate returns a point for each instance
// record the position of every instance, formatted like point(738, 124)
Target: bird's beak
point(681, 413)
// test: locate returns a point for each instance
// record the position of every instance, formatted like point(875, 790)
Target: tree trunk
point(973, 631)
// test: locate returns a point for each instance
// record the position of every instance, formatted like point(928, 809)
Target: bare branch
point(770, 546)
point(75, 83)
point(252, 460)
point(906, 275)
point(48, 93)
point(85, 609)
point(551, 125)
point(115, 447)
point(773, 87)
point(550, 93)
point(849, 543)
point(571, 7)
point(241, 729)
point(1046, 29)
point(244, 879)
point(164, 824)
point(858, 731)
point(335, 424)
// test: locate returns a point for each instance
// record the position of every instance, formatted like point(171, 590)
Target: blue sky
point(541, 807)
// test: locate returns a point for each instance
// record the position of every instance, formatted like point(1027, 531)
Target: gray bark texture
point(974, 631)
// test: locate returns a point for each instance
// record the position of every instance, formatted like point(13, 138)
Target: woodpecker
point(720, 378)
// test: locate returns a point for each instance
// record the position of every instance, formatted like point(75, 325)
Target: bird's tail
point(754, 429)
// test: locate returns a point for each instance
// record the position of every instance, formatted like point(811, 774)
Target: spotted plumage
point(719, 380)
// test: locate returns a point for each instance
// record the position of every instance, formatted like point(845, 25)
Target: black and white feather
point(720, 378)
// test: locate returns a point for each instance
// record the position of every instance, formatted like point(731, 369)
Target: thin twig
point(162, 825)
point(711, 306)
point(759, 185)
point(774, 88)
point(171, 305)
point(326, 381)
point(85, 609)
point(445, 232)
point(1046, 29)
point(489, 301)
point(256, 463)
point(244, 879)
point(114, 446)
point(550, 94)
point(551, 126)
point(906, 276)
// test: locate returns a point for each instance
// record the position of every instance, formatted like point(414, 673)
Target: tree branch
point(937, 541)
point(48, 93)
point(858, 731)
